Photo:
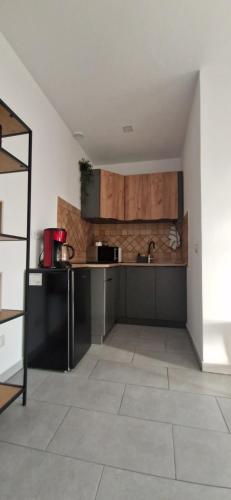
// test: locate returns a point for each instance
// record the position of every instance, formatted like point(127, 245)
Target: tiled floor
point(136, 420)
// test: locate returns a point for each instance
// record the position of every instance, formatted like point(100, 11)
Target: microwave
point(104, 254)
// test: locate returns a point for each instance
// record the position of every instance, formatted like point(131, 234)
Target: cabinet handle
point(109, 279)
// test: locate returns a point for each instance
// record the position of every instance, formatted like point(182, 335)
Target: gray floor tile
point(85, 367)
point(179, 344)
point(124, 335)
point(33, 425)
point(148, 332)
point(225, 405)
point(177, 333)
point(118, 441)
point(156, 343)
point(200, 382)
point(148, 359)
point(127, 343)
point(122, 329)
point(33, 475)
point(123, 485)
point(178, 340)
point(111, 353)
point(34, 379)
point(203, 456)
point(128, 374)
point(140, 444)
point(82, 392)
point(173, 407)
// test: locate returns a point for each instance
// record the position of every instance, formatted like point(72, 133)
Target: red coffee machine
point(53, 239)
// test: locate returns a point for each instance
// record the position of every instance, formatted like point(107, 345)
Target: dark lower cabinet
point(153, 295)
point(110, 298)
point(140, 293)
point(104, 300)
point(81, 315)
point(171, 304)
point(121, 294)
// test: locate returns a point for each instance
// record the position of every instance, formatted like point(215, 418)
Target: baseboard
point(11, 371)
point(220, 369)
point(195, 349)
point(151, 322)
point(209, 367)
point(97, 339)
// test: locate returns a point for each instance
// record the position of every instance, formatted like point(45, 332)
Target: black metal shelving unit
point(10, 126)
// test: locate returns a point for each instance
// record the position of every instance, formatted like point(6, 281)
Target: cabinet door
point(140, 293)
point(110, 299)
point(109, 305)
point(81, 314)
point(171, 301)
point(97, 302)
point(151, 196)
point(111, 195)
point(90, 197)
point(121, 293)
point(164, 195)
point(136, 197)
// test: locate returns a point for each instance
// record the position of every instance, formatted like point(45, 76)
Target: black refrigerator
point(59, 324)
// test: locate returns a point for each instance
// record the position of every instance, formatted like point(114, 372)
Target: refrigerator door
point(80, 340)
point(48, 319)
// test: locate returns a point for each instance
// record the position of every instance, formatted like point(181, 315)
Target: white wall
point(54, 173)
point(216, 216)
point(144, 167)
point(191, 161)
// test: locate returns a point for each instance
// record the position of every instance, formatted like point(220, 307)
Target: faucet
point(152, 247)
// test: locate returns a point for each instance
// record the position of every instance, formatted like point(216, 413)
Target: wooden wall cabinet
point(150, 197)
point(111, 195)
point(155, 196)
point(105, 196)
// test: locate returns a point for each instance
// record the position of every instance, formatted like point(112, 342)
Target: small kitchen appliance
point(54, 239)
point(59, 317)
point(103, 254)
point(65, 254)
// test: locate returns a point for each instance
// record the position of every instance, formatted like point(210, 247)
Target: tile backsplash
point(79, 231)
point(132, 237)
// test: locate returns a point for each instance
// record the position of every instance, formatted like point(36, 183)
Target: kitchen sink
point(142, 258)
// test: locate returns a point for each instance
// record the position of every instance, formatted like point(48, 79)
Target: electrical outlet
point(2, 340)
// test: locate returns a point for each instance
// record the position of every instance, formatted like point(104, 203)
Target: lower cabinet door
point(81, 320)
point(121, 294)
point(171, 301)
point(140, 293)
point(110, 299)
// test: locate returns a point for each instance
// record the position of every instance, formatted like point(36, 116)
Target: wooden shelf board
point(10, 123)
point(9, 163)
point(8, 393)
point(11, 237)
point(8, 314)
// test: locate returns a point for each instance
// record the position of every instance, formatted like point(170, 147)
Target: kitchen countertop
point(131, 264)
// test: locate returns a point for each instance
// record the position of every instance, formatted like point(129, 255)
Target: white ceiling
point(109, 63)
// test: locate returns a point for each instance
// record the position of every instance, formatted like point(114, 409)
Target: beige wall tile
point(133, 238)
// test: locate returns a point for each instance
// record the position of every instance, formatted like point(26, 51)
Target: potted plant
point(86, 168)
